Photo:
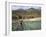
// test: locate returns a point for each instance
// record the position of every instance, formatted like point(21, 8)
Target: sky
point(24, 7)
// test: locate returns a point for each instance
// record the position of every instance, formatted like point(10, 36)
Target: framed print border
point(8, 14)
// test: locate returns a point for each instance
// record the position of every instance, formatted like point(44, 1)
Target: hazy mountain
point(31, 12)
point(19, 11)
